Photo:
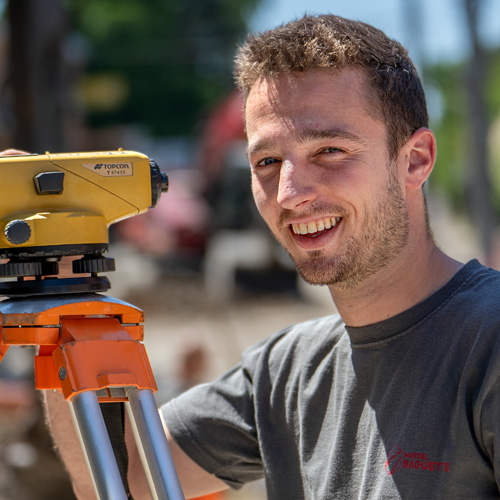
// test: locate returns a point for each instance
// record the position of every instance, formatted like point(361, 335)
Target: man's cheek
point(261, 200)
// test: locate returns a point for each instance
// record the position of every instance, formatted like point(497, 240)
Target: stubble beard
point(385, 233)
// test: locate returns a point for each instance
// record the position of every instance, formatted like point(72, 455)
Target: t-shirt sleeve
point(214, 424)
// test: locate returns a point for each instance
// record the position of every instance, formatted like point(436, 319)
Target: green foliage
point(449, 173)
point(173, 56)
point(451, 127)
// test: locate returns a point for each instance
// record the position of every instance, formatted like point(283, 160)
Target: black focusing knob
point(93, 265)
point(18, 269)
point(18, 232)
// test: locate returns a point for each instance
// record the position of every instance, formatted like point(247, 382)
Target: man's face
point(321, 175)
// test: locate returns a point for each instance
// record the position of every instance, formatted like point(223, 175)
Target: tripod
point(58, 206)
point(90, 349)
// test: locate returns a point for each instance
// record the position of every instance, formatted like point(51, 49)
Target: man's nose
point(296, 185)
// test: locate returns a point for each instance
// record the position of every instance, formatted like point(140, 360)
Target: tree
point(36, 74)
point(158, 63)
point(470, 102)
point(479, 185)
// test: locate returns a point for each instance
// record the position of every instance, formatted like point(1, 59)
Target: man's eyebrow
point(314, 134)
point(305, 135)
point(258, 146)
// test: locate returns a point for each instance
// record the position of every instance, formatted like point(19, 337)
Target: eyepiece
point(159, 182)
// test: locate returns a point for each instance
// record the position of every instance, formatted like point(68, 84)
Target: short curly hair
point(332, 42)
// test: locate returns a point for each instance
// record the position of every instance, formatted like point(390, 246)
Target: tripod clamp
point(90, 349)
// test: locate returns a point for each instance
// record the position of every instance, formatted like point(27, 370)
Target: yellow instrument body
point(71, 198)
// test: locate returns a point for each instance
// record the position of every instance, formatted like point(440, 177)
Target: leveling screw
point(62, 372)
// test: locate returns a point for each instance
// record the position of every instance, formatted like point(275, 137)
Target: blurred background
point(156, 76)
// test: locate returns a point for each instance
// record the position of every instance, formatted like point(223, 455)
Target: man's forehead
point(277, 90)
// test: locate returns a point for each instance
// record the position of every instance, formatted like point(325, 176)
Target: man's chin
point(318, 271)
point(329, 271)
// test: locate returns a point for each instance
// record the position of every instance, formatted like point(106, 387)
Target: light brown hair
point(332, 42)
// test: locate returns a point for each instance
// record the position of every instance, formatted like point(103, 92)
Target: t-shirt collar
point(391, 328)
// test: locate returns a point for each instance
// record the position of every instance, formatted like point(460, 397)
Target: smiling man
point(322, 176)
point(398, 396)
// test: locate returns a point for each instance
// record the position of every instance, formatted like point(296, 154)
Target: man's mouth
point(317, 227)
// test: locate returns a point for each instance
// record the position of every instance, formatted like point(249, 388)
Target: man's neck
point(396, 288)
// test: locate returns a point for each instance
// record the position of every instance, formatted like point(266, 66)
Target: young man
point(398, 396)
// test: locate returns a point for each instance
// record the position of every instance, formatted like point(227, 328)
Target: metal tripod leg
point(151, 435)
point(97, 446)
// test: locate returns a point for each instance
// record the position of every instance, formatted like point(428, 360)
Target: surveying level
point(57, 205)
point(60, 206)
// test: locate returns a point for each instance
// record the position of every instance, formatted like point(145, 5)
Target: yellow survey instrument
point(57, 205)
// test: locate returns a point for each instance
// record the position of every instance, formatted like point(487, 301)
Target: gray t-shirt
point(408, 408)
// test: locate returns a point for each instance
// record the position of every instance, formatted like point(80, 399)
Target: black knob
point(18, 232)
point(93, 265)
point(18, 269)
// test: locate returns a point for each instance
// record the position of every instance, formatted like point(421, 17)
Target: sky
point(436, 32)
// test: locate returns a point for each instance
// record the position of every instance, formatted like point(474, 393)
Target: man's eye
point(331, 150)
point(266, 162)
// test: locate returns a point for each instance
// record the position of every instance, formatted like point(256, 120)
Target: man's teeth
point(315, 226)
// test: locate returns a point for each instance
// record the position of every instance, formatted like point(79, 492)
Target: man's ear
point(419, 157)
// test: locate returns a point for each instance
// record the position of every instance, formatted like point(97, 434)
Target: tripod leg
point(95, 439)
point(146, 419)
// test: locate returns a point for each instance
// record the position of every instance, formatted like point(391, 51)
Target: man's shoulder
point(471, 314)
point(298, 341)
point(481, 288)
